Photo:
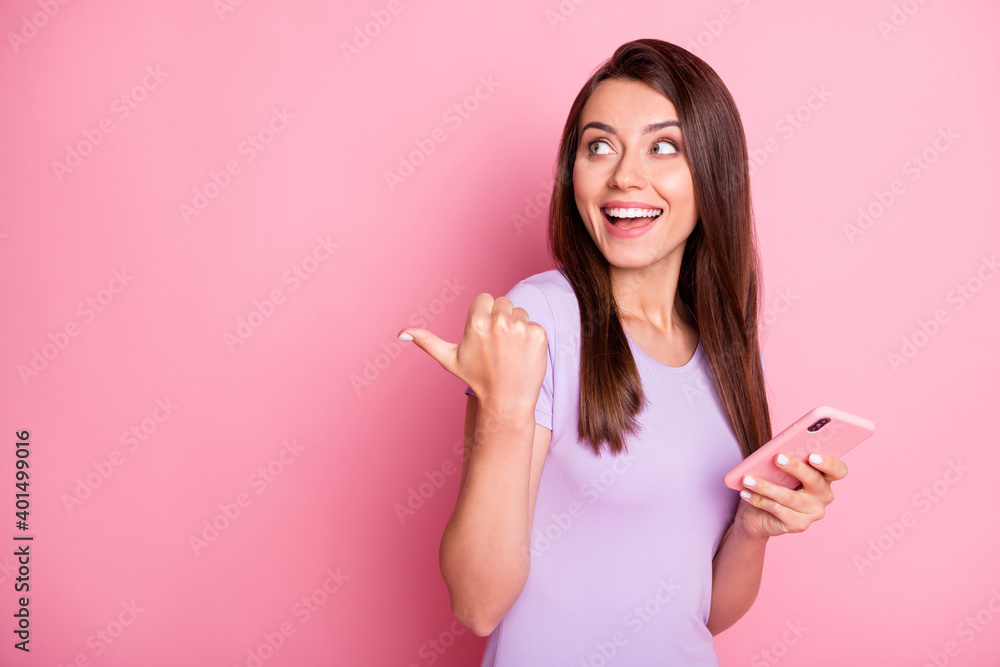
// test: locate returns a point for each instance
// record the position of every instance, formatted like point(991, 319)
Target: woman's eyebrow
point(652, 127)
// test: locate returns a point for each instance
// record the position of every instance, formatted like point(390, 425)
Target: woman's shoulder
point(553, 284)
point(549, 299)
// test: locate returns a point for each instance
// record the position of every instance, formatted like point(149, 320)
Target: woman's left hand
point(773, 509)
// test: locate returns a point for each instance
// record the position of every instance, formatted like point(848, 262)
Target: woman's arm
point(736, 572)
point(485, 549)
point(768, 510)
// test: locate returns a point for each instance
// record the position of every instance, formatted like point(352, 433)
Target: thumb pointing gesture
point(502, 353)
point(442, 351)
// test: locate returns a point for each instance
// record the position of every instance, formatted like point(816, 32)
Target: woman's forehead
point(629, 108)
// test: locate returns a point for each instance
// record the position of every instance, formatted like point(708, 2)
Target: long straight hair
point(720, 268)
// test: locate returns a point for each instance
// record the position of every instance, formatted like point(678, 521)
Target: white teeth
point(633, 212)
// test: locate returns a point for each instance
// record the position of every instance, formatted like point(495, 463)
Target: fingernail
point(815, 458)
point(782, 460)
point(749, 481)
point(405, 336)
point(745, 494)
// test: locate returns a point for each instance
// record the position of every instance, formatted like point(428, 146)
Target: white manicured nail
point(749, 481)
point(815, 458)
point(405, 336)
point(782, 460)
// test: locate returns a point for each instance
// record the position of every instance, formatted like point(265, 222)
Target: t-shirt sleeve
point(531, 298)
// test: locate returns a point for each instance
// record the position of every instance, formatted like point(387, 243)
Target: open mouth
point(629, 218)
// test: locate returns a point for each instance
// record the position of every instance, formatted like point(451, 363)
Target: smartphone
point(823, 430)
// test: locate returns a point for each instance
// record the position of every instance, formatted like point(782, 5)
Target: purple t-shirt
point(621, 547)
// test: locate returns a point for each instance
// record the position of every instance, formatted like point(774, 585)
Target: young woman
point(592, 525)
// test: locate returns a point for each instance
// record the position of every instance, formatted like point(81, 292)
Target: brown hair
point(720, 269)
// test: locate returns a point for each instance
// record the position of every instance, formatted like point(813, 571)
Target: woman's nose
point(629, 172)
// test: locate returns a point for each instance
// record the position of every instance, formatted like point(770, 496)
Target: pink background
point(890, 576)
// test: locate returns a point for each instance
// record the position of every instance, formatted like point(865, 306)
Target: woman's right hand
point(502, 355)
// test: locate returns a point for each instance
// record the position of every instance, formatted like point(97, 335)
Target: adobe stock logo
point(104, 637)
point(779, 648)
point(230, 511)
point(543, 538)
point(429, 484)
point(714, 28)
point(914, 167)
point(104, 468)
point(637, 618)
point(381, 18)
point(223, 7)
point(303, 609)
point(122, 107)
point(254, 144)
point(454, 116)
point(960, 295)
point(88, 310)
point(925, 500)
point(968, 628)
point(900, 16)
point(562, 12)
point(30, 25)
point(435, 647)
point(788, 125)
point(422, 317)
point(264, 309)
point(535, 209)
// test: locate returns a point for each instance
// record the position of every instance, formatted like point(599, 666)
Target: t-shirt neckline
point(676, 371)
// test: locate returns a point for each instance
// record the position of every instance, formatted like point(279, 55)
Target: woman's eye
point(596, 143)
point(670, 146)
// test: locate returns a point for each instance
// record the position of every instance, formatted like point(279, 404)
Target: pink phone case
point(835, 437)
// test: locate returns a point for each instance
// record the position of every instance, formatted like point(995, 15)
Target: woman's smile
point(629, 227)
point(628, 219)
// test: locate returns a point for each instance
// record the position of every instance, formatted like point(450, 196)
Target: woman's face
point(631, 154)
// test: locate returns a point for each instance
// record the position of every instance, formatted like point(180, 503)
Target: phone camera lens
point(818, 425)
